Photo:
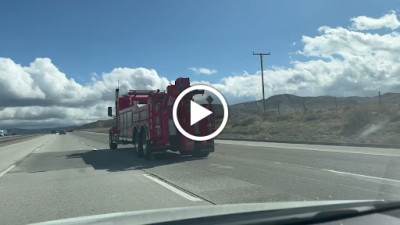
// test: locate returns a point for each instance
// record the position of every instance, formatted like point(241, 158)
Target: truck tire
point(147, 153)
point(199, 154)
point(138, 146)
point(111, 143)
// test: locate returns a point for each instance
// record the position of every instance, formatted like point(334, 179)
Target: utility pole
point(262, 74)
point(380, 101)
point(335, 103)
point(279, 110)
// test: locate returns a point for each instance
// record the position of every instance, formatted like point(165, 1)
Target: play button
point(197, 112)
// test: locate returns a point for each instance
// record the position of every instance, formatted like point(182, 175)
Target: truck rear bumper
point(204, 146)
point(191, 146)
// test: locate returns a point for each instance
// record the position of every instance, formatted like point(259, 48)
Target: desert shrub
point(384, 109)
point(269, 115)
point(391, 140)
point(245, 120)
point(273, 131)
point(259, 137)
point(311, 117)
point(283, 116)
point(252, 129)
point(356, 119)
point(395, 117)
point(332, 115)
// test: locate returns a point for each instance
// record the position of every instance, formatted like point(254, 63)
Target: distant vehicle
point(143, 118)
point(3, 133)
point(62, 132)
point(53, 132)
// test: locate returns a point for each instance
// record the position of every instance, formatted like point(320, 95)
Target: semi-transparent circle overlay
point(224, 106)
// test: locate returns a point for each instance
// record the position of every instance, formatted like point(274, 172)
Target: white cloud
point(16, 82)
point(40, 84)
point(367, 23)
point(203, 70)
point(50, 116)
point(339, 61)
point(41, 94)
point(139, 78)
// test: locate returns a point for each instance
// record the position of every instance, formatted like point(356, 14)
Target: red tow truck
point(143, 118)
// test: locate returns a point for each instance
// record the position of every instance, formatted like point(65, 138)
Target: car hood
point(174, 214)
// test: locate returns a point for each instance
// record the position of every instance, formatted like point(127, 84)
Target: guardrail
point(14, 137)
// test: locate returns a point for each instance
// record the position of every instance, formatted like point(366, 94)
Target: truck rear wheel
point(111, 143)
point(138, 146)
point(147, 153)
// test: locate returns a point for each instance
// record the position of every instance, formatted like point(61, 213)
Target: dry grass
point(364, 124)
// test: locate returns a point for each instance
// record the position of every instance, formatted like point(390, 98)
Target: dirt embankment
point(372, 124)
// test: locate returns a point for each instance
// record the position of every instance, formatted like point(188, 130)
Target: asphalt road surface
point(62, 176)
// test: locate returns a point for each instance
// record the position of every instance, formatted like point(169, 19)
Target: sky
point(61, 60)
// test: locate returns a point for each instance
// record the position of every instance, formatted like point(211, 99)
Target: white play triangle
point(197, 112)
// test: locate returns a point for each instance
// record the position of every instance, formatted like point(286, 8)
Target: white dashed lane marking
point(171, 188)
point(7, 170)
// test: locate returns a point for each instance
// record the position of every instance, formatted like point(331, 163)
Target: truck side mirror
point(110, 111)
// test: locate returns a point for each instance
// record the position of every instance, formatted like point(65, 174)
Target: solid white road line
point(91, 132)
point(360, 175)
point(6, 170)
point(171, 188)
point(274, 145)
point(340, 172)
point(297, 165)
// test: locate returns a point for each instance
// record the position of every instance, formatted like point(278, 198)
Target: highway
point(61, 176)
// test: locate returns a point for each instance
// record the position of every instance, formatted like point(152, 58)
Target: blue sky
point(86, 37)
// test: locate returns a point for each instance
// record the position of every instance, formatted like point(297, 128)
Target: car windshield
point(116, 106)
